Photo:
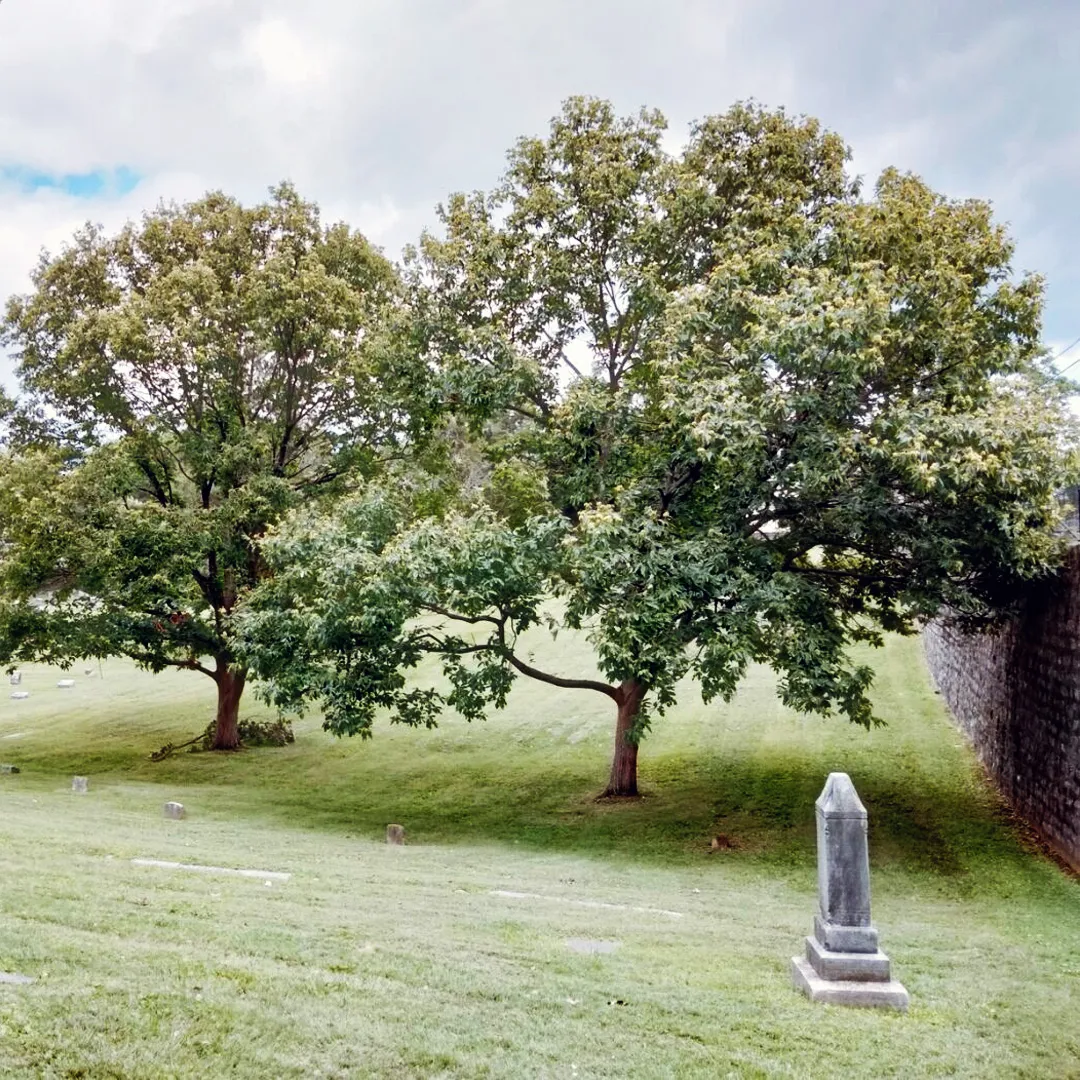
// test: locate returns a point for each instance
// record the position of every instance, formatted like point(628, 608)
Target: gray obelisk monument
point(843, 964)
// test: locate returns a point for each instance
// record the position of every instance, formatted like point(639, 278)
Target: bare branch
point(436, 610)
point(557, 680)
point(151, 659)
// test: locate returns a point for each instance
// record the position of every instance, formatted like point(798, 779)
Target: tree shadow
point(944, 825)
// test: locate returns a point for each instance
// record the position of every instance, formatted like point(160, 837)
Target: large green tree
point(183, 383)
point(758, 417)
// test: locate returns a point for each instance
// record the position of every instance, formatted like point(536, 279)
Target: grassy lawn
point(376, 961)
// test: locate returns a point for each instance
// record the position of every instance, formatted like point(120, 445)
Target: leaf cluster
point(733, 411)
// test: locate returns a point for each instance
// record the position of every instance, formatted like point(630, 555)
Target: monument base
point(884, 995)
point(859, 939)
point(837, 966)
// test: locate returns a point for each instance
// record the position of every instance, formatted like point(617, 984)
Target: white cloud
point(47, 220)
point(287, 59)
point(378, 109)
point(904, 146)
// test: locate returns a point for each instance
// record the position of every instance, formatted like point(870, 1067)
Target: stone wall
point(1016, 695)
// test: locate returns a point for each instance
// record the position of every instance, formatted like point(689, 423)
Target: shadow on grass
point(748, 772)
point(945, 825)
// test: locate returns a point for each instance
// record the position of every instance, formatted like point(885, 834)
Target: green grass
point(374, 961)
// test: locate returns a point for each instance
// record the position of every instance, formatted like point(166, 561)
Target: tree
point(185, 382)
point(760, 419)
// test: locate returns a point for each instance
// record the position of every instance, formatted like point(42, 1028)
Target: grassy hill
point(471, 952)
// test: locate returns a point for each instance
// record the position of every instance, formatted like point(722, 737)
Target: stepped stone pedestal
point(843, 964)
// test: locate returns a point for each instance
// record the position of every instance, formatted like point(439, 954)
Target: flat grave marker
point(162, 864)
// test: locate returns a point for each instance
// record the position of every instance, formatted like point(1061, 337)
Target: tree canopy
point(733, 411)
point(184, 383)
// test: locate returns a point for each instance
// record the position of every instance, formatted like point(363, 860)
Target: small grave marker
point(395, 834)
point(80, 785)
point(175, 811)
point(591, 947)
point(273, 875)
point(14, 980)
point(20, 695)
point(843, 964)
point(15, 678)
point(66, 684)
point(602, 905)
point(9, 769)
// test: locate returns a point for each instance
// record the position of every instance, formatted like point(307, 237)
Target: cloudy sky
point(380, 108)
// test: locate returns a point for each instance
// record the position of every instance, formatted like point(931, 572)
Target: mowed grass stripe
point(377, 961)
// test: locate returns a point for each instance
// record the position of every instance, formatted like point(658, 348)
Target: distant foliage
point(185, 383)
point(733, 411)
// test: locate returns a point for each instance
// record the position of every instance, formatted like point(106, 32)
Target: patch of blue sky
point(87, 185)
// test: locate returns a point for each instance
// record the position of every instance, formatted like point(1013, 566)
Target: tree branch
point(443, 647)
point(556, 680)
point(526, 669)
point(447, 614)
point(150, 659)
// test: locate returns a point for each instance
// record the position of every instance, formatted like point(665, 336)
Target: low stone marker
point(267, 875)
point(175, 810)
point(12, 979)
point(591, 946)
point(15, 678)
point(80, 785)
point(66, 684)
point(395, 834)
point(9, 769)
point(843, 964)
point(20, 695)
point(600, 905)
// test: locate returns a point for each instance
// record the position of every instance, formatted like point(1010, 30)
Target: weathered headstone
point(843, 964)
point(395, 834)
point(66, 684)
point(13, 979)
point(15, 678)
point(9, 769)
point(20, 695)
point(80, 785)
point(175, 810)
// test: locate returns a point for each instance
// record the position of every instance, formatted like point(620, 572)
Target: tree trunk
point(230, 684)
point(623, 780)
